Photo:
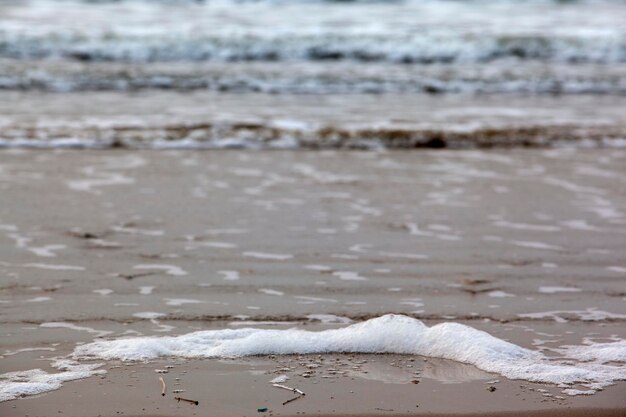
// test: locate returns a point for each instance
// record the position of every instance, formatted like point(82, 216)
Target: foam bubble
point(349, 276)
point(387, 334)
point(403, 255)
point(137, 231)
point(180, 301)
point(589, 314)
point(279, 379)
point(148, 315)
point(597, 352)
point(54, 267)
point(500, 294)
point(271, 256)
point(311, 300)
point(321, 268)
point(168, 269)
point(36, 381)
point(552, 290)
point(536, 245)
point(72, 326)
point(269, 291)
point(217, 245)
point(329, 318)
point(146, 290)
point(38, 299)
point(229, 275)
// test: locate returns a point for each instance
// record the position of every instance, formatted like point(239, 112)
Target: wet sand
point(381, 386)
point(527, 245)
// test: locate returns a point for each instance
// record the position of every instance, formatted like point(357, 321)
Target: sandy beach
point(358, 208)
point(114, 244)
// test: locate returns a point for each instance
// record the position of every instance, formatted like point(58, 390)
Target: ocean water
point(312, 73)
point(315, 46)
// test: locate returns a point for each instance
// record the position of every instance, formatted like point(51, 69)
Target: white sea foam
point(499, 294)
point(102, 179)
point(220, 232)
point(146, 290)
point(388, 31)
point(229, 275)
point(349, 276)
point(321, 268)
point(180, 301)
point(596, 352)
point(574, 392)
point(72, 326)
point(403, 255)
point(217, 245)
point(270, 256)
point(168, 269)
point(36, 381)
point(46, 251)
point(413, 302)
point(279, 379)
point(54, 267)
point(321, 177)
point(259, 323)
point(33, 349)
point(386, 334)
point(580, 225)
point(269, 291)
point(137, 231)
point(525, 226)
point(536, 245)
point(552, 290)
point(148, 315)
point(329, 318)
point(38, 299)
point(312, 300)
point(589, 314)
point(416, 231)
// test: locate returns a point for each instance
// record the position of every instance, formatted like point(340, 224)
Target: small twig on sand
point(137, 275)
point(293, 399)
point(162, 386)
point(296, 390)
point(179, 399)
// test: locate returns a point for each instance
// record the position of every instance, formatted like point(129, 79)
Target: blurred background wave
point(315, 46)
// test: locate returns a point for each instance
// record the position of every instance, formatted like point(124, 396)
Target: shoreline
point(134, 389)
point(136, 244)
point(209, 120)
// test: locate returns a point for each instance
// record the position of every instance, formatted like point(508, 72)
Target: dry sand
point(527, 245)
